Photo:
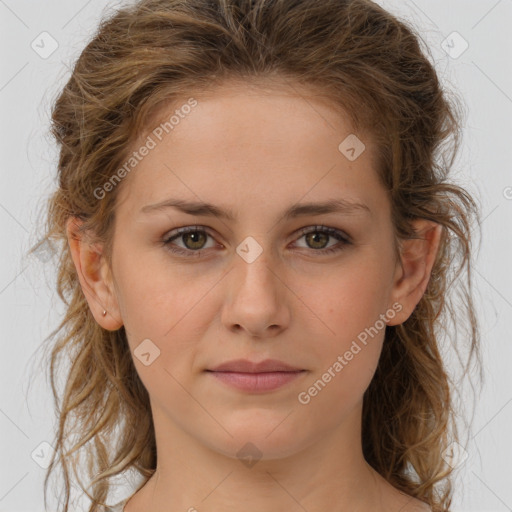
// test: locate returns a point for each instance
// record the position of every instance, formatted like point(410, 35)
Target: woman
point(258, 235)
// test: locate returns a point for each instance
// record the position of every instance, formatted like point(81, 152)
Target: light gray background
point(29, 308)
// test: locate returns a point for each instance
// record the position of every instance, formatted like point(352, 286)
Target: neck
point(330, 474)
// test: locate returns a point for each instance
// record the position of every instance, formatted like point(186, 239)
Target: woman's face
point(312, 288)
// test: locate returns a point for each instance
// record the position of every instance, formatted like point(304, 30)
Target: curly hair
point(364, 60)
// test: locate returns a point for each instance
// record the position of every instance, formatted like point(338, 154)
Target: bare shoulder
point(402, 502)
point(420, 507)
point(414, 505)
point(395, 500)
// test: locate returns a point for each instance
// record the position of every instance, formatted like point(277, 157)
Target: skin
point(291, 303)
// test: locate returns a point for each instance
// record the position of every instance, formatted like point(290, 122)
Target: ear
point(413, 271)
point(95, 277)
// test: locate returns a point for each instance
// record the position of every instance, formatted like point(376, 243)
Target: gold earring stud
point(104, 312)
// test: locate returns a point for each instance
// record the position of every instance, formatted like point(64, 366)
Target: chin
point(265, 440)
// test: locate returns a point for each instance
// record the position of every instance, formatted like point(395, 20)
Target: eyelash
point(304, 231)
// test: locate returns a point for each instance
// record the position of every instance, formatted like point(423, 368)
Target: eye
point(317, 237)
point(194, 238)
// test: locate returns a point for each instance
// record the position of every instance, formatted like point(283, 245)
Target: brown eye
point(193, 240)
point(317, 238)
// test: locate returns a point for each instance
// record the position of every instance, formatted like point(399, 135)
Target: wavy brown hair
point(364, 60)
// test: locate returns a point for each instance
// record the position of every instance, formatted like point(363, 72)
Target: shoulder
point(406, 503)
point(415, 505)
point(394, 499)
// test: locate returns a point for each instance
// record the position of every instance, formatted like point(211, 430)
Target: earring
point(104, 312)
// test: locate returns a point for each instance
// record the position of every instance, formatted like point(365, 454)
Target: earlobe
point(94, 277)
point(413, 271)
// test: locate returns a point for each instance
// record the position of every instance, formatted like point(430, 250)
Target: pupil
point(315, 236)
point(194, 239)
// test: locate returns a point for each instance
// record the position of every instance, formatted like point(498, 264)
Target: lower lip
point(257, 382)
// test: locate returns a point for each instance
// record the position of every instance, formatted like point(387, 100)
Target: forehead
point(269, 87)
point(266, 144)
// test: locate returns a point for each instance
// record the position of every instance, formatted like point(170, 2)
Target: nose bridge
point(255, 267)
point(256, 300)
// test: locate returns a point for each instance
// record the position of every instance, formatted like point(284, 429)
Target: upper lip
point(246, 366)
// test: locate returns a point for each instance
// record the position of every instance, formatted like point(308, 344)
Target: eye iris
point(314, 235)
point(195, 240)
point(194, 235)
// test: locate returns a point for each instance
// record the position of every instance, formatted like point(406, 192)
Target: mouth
point(246, 366)
point(254, 377)
point(257, 382)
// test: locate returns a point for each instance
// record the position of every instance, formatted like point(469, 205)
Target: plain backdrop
point(472, 48)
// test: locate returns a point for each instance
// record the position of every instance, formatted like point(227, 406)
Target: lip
point(261, 377)
point(246, 366)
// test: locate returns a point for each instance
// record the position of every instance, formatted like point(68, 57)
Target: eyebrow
point(342, 206)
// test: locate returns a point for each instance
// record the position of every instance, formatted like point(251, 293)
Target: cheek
point(350, 300)
point(153, 295)
point(346, 364)
point(167, 307)
point(348, 322)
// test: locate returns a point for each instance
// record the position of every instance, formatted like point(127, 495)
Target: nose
point(256, 298)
